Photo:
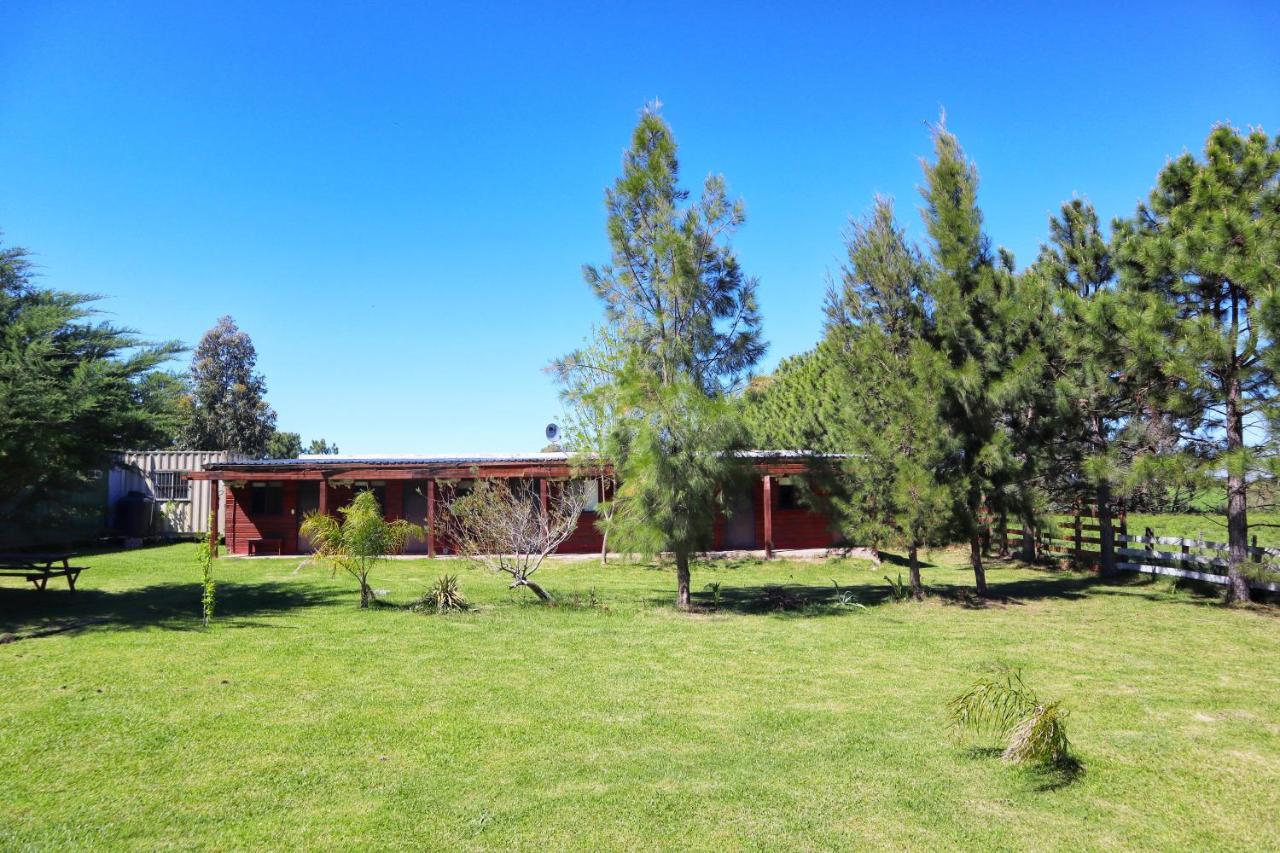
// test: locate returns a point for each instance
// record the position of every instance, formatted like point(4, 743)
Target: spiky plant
point(714, 589)
point(1003, 705)
point(444, 596)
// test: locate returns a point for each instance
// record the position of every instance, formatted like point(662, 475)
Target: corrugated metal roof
point(313, 460)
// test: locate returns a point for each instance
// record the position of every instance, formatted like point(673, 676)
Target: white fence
point(1195, 558)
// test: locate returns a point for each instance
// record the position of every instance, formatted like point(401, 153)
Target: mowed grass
point(300, 721)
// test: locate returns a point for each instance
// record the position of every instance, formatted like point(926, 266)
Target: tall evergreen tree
point(284, 445)
point(797, 407)
point(887, 382)
point(1108, 363)
point(228, 410)
point(1207, 243)
point(684, 314)
point(71, 389)
point(985, 332)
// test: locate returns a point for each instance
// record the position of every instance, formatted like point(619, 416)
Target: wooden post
point(1079, 545)
point(215, 497)
point(323, 508)
point(1150, 536)
point(431, 518)
point(768, 516)
point(544, 494)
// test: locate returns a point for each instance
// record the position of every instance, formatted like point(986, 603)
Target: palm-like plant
point(359, 541)
point(1005, 706)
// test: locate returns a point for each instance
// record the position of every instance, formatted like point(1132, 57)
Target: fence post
point(1078, 556)
point(1256, 554)
point(1150, 536)
point(1004, 534)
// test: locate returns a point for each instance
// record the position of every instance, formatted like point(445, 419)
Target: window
point(788, 494)
point(591, 491)
point(171, 486)
point(267, 499)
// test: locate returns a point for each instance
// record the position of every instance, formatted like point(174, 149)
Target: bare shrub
point(503, 525)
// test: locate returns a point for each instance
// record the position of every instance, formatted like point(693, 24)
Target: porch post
point(543, 494)
point(431, 518)
point(768, 516)
point(215, 499)
point(323, 509)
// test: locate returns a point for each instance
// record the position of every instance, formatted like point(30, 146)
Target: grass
point(613, 721)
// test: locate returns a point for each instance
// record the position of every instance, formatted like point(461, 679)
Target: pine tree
point(796, 407)
point(1207, 243)
point(985, 333)
point(886, 379)
point(228, 410)
point(685, 316)
point(1108, 363)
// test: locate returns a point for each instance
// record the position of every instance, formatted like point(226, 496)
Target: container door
point(740, 529)
point(308, 502)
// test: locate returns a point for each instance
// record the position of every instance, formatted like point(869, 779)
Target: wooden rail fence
point(1182, 558)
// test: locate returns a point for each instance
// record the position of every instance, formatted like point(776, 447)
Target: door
point(740, 527)
point(415, 512)
point(308, 502)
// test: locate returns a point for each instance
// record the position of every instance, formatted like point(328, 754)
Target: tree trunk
point(913, 568)
point(1237, 499)
point(1106, 535)
point(366, 594)
point(536, 590)
point(682, 580)
point(1028, 538)
point(975, 560)
point(604, 545)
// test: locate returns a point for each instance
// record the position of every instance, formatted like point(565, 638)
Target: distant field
point(615, 722)
point(1212, 526)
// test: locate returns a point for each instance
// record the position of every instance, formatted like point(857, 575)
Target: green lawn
point(301, 721)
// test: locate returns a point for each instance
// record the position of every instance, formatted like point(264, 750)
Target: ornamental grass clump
point(1034, 732)
point(443, 596)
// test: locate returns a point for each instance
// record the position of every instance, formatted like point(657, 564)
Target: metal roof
point(313, 460)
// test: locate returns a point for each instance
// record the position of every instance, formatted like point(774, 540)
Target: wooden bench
point(259, 547)
point(38, 568)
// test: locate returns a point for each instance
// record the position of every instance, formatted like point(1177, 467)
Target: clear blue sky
point(395, 201)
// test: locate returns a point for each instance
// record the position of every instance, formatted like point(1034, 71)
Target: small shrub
point(207, 545)
point(443, 596)
point(778, 598)
point(846, 598)
point(714, 589)
point(898, 590)
point(590, 601)
point(1034, 731)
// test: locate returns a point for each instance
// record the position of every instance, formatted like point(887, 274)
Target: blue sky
point(395, 200)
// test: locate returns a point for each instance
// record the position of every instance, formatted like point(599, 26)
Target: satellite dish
point(553, 432)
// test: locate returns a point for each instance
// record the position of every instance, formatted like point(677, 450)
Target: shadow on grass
point(798, 599)
point(172, 606)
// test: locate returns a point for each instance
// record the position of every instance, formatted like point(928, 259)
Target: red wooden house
point(266, 500)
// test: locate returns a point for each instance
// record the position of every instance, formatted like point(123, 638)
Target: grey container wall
point(136, 470)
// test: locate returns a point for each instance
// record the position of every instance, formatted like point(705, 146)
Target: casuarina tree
point(228, 409)
point(1207, 242)
point(685, 316)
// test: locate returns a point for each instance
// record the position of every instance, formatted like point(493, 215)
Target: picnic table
point(38, 568)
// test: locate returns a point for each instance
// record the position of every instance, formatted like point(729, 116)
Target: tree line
point(947, 384)
point(74, 387)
